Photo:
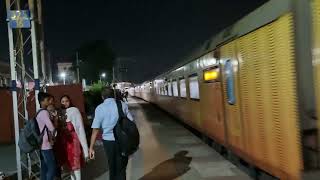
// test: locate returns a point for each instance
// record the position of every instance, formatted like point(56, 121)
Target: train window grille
point(229, 74)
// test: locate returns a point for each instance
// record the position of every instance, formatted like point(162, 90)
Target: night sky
point(155, 33)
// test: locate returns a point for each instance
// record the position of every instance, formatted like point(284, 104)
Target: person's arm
point(94, 135)
point(46, 119)
point(96, 125)
point(47, 123)
point(127, 112)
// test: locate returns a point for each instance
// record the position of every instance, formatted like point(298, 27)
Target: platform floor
point(168, 152)
point(8, 163)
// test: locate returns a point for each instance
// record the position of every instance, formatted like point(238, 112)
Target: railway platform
point(168, 151)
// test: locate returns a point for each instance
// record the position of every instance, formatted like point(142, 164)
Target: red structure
point(73, 91)
point(6, 108)
point(6, 118)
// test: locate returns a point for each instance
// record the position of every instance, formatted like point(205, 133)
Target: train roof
point(261, 16)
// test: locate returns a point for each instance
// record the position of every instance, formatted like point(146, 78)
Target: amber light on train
point(211, 75)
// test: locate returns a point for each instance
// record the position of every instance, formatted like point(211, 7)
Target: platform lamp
point(102, 76)
point(63, 76)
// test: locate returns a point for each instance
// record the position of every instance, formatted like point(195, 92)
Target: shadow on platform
point(171, 168)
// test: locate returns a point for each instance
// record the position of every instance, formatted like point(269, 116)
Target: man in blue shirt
point(106, 117)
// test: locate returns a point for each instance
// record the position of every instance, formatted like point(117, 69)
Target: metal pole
point(34, 53)
point(64, 80)
point(14, 94)
point(43, 63)
point(49, 68)
point(78, 68)
point(41, 38)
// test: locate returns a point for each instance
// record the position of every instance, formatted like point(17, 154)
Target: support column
point(14, 94)
point(34, 53)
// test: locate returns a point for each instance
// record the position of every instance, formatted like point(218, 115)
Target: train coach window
point(229, 74)
point(163, 90)
point(183, 89)
point(194, 87)
point(175, 88)
point(169, 88)
point(157, 87)
point(158, 90)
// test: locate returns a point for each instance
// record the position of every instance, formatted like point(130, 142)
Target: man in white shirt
point(106, 117)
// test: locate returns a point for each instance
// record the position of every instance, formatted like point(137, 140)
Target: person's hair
point(68, 97)
point(119, 95)
point(51, 96)
point(42, 96)
point(107, 92)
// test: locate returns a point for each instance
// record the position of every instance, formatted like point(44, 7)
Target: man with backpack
point(48, 163)
point(107, 117)
point(38, 134)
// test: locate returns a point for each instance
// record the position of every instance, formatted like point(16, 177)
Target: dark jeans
point(48, 165)
point(117, 163)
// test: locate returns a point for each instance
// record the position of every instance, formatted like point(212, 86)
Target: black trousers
point(117, 163)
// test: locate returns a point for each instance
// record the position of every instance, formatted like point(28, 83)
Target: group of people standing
point(65, 146)
point(64, 143)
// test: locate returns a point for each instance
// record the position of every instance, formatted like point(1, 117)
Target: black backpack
point(30, 137)
point(126, 133)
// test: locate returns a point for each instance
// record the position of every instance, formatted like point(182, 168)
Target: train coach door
point(212, 111)
point(230, 81)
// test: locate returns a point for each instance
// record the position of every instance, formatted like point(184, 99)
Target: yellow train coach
point(254, 89)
